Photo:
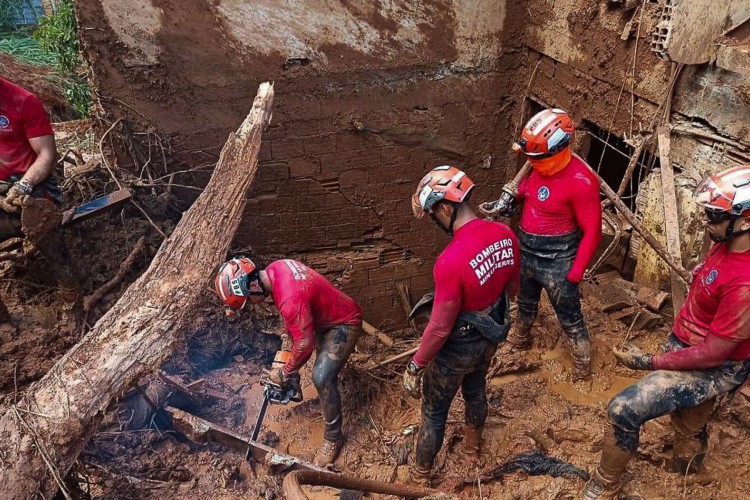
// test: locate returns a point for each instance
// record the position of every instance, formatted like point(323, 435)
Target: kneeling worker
point(707, 354)
point(317, 316)
point(473, 275)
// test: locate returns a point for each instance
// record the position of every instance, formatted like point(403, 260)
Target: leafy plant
point(58, 35)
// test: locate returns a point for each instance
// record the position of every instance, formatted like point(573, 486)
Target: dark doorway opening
point(609, 155)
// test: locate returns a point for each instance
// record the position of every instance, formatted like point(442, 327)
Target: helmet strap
point(730, 232)
point(255, 276)
point(448, 230)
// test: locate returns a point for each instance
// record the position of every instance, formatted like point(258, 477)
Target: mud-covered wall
point(595, 60)
point(369, 96)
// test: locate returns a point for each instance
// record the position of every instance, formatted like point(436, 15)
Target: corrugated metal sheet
point(28, 12)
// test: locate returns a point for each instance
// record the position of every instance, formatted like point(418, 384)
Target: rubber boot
point(690, 437)
point(473, 443)
point(328, 452)
point(520, 336)
point(605, 482)
point(580, 350)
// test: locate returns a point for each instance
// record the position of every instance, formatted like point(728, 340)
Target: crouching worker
point(708, 352)
point(470, 314)
point(317, 316)
point(27, 163)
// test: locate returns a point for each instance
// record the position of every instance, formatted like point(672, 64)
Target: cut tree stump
point(44, 432)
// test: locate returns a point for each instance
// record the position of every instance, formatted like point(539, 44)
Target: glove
point(632, 357)
point(413, 380)
point(17, 195)
point(278, 377)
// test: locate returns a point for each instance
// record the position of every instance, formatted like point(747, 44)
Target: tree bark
point(44, 432)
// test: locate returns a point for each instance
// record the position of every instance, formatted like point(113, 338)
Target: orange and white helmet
point(547, 133)
point(727, 192)
point(444, 183)
point(232, 283)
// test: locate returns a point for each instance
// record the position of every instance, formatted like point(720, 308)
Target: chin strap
point(255, 276)
point(449, 229)
point(730, 232)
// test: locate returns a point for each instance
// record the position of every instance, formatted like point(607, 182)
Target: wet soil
point(538, 408)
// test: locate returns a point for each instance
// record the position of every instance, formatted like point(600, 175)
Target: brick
point(320, 145)
point(345, 160)
point(265, 151)
point(353, 178)
point(287, 148)
point(272, 172)
point(303, 167)
point(381, 274)
point(354, 142)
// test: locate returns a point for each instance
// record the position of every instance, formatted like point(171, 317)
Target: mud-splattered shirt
point(718, 302)
point(471, 274)
point(308, 304)
point(22, 117)
point(562, 203)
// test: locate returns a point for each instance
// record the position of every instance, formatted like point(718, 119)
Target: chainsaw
point(275, 394)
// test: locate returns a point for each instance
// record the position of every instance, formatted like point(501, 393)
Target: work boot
point(328, 452)
point(581, 367)
point(690, 437)
point(473, 443)
point(520, 336)
point(605, 482)
point(420, 477)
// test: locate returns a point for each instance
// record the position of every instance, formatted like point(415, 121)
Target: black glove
point(632, 357)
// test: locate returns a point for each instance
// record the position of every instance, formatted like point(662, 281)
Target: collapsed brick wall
point(352, 133)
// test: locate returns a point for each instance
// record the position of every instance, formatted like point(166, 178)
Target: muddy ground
point(533, 405)
point(534, 408)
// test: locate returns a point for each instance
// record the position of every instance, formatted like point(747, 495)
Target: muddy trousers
point(549, 273)
point(332, 349)
point(51, 246)
point(461, 363)
point(687, 395)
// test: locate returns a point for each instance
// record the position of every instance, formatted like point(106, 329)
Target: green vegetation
point(54, 42)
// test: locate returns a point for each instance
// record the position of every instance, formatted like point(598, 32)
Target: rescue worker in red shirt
point(560, 229)
point(707, 353)
point(27, 163)
point(473, 275)
point(318, 317)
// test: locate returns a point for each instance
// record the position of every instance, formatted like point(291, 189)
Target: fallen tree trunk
point(44, 432)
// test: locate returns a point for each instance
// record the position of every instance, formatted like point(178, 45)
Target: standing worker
point(27, 163)
point(470, 313)
point(707, 353)
point(560, 229)
point(317, 316)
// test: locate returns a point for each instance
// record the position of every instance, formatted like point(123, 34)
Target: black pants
point(664, 391)
point(332, 349)
point(461, 363)
point(545, 262)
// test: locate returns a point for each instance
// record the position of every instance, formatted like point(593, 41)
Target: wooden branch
point(138, 333)
point(645, 233)
point(395, 358)
point(671, 217)
point(125, 266)
point(371, 330)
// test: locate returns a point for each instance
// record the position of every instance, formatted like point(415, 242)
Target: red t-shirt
point(471, 274)
point(561, 203)
point(22, 117)
point(718, 301)
point(309, 304)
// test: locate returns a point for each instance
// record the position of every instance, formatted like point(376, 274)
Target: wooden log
point(645, 233)
point(43, 433)
point(671, 217)
point(371, 330)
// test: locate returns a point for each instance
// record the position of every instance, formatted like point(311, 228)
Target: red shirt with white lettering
point(22, 117)
point(473, 271)
point(718, 301)
point(309, 304)
point(561, 203)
